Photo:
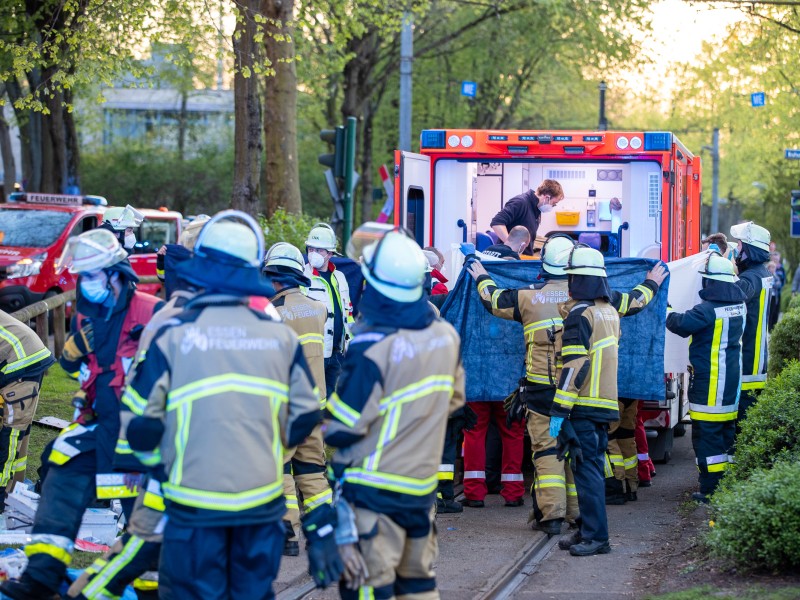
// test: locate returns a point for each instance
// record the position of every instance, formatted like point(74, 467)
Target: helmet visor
point(365, 235)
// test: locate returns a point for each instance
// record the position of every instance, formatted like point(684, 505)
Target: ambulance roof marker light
point(636, 142)
point(622, 142)
point(658, 140)
point(433, 138)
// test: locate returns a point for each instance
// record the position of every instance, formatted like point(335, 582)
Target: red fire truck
point(449, 192)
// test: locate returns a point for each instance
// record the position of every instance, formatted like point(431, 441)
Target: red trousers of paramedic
point(646, 467)
point(475, 453)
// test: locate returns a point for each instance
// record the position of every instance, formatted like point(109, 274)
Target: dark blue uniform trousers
point(590, 478)
point(220, 563)
point(712, 442)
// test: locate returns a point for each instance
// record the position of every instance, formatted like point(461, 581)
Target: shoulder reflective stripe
point(230, 382)
point(317, 500)
point(544, 324)
point(714, 381)
point(51, 550)
point(27, 361)
point(342, 411)
point(311, 338)
point(428, 385)
point(474, 474)
point(132, 399)
point(14, 341)
point(511, 477)
point(224, 501)
point(393, 483)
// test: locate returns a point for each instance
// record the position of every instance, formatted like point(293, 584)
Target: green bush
point(757, 524)
point(287, 227)
point(784, 343)
point(771, 431)
point(794, 299)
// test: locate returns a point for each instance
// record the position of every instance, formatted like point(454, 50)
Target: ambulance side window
point(415, 214)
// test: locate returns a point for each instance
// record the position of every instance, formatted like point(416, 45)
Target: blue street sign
point(792, 154)
point(469, 89)
point(758, 99)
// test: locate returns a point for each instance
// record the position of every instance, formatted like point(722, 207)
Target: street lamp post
point(602, 123)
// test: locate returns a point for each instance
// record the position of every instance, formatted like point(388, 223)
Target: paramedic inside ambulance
point(526, 210)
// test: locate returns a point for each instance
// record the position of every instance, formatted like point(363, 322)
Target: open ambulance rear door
point(413, 194)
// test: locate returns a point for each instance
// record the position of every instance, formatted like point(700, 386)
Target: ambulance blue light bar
point(433, 138)
point(658, 140)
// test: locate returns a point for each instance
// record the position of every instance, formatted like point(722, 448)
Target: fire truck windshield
point(31, 228)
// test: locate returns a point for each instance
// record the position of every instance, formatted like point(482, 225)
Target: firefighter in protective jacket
point(220, 437)
point(756, 281)
point(23, 361)
point(538, 309)
point(110, 319)
point(304, 466)
point(715, 326)
point(402, 377)
point(587, 389)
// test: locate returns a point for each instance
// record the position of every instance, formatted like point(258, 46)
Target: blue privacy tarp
point(493, 349)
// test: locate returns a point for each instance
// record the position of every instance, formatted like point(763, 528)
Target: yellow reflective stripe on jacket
point(572, 490)
point(318, 500)
point(393, 483)
point(423, 387)
point(123, 447)
point(21, 464)
point(112, 485)
point(715, 351)
point(597, 402)
point(56, 552)
point(13, 341)
point(62, 450)
point(604, 343)
point(566, 399)
point(549, 481)
point(484, 284)
point(758, 351)
point(537, 378)
point(575, 350)
point(531, 328)
point(311, 338)
point(181, 439)
point(149, 459)
point(145, 585)
point(26, 361)
point(8, 467)
point(135, 403)
point(495, 295)
point(624, 302)
point(224, 501)
point(153, 496)
point(222, 384)
point(342, 411)
point(648, 293)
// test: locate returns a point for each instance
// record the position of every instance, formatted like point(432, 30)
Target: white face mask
point(316, 260)
point(95, 290)
point(545, 207)
point(130, 241)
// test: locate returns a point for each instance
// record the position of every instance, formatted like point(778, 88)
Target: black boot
point(630, 495)
point(589, 548)
point(551, 527)
point(448, 505)
point(291, 545)
point(568, 541)
point(701, 498)
point(615, 492)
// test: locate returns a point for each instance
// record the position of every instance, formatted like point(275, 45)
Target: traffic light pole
point(349, 165)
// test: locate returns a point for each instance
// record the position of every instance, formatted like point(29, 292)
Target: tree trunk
point(366, 163)
point(247, 117)
point(72, 146)
point(182, 125)
point(9, 167)
point(281, 176)
point(14, 92)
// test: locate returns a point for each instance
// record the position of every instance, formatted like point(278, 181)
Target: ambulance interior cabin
point(467, 195)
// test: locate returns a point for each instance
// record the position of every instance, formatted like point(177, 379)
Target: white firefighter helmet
point(283, 254)
point(234, 233)
point(750, 233)
point(122, 218)
point(395, 266)
point(583, 260)
point(191, 231)
point(555, 253)
point(91, 251)
point(719, 268)
point(366, 234)
point(322, 236)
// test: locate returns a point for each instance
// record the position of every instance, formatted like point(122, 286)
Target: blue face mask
point(95, 290)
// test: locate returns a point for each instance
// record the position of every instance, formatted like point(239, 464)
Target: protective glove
point(568, 446)
point(555, 426)
point(324, 562)
point(467, 249)
point(355, 568)
point(515, 408)
point(470, 418)
point(80, 343)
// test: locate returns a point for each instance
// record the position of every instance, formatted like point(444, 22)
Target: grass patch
point(55, 400)
point(752, 593)
point(80, 560)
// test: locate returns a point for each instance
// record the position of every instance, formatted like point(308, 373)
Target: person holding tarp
point(715, 327)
